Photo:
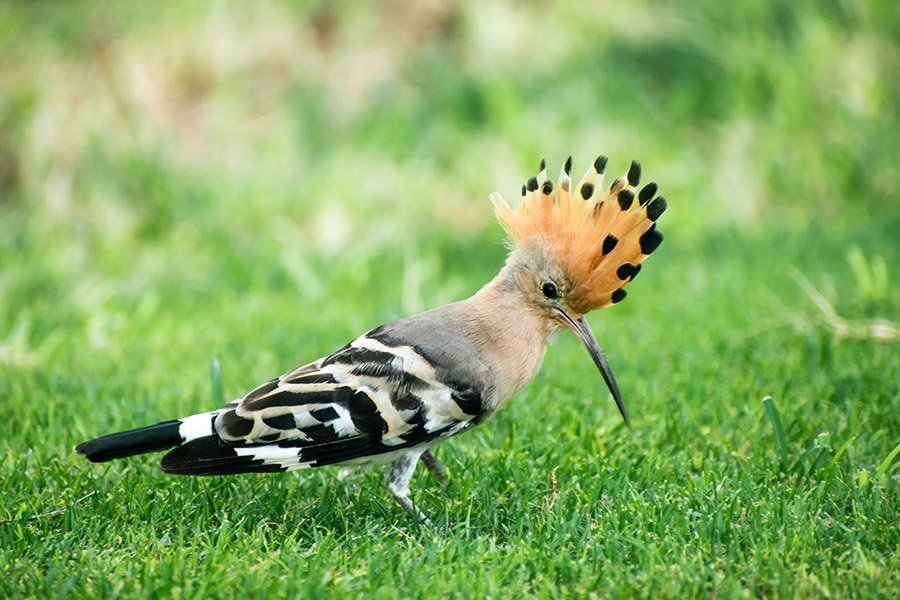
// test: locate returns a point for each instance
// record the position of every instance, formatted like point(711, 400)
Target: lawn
point(196, 198)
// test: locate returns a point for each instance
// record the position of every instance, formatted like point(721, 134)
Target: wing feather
point(364, 401)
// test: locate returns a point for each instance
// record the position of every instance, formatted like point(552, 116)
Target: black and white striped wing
point(363, 402)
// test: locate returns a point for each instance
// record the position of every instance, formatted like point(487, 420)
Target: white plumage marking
point(196, 426)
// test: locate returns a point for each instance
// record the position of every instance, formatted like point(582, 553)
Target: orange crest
point(599, 242)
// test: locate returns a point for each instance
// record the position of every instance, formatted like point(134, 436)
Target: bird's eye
point(549, 290)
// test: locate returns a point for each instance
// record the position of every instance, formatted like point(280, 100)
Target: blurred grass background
point(260, 182)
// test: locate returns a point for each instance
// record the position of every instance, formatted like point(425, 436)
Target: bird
point(396, 391)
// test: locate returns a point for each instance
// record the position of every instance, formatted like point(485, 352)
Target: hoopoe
point(394, 392)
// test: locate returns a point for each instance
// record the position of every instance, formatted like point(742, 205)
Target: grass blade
point(780, 438)
point(886, 463)
point(215, 375)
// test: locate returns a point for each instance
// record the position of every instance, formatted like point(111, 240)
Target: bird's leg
point(401, 473)
point(435, 467)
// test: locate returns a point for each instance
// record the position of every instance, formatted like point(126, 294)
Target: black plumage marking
point(420, 435)
point(547, 188)
point(316, 377)
point(131, 443)
point(337, 451)
point(619, 295)
point(523, 189)
point(381, 370)
point(532, 184)
point(398, 379)
point(286, 398)
point(344, 449)
point(207, 456)
point(355, 356)
point(609, 243)
point(281, 422)
point(261, 391)
point(636, 271)
point(405, 401)
point(543, 165)
point(325, 414)
point(417, 420)
point(231, 425)
point(625, 271)
point(600, 164)
point(657, 208)
point(650, 240)
point(468, 402)
point(634, 173)
point(625, 198)
point(321, 433)
point(568, 166)
point(382, 335)
point(365, 415)
point(587, 190)
point(647, 193)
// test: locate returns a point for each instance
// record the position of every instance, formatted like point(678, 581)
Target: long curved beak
point(581, 329)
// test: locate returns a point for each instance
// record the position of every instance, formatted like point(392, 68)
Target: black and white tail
point(152, 438)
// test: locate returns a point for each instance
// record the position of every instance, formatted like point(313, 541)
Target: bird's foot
point(401, 473)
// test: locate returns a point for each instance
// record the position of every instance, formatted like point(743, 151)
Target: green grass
point(257, 186)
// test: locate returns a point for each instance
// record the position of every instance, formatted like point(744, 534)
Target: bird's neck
point(511, 333)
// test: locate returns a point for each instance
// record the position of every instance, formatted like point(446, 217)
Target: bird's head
point(577, 247)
